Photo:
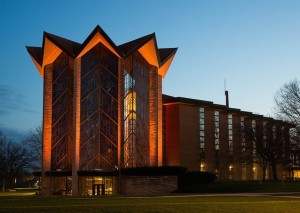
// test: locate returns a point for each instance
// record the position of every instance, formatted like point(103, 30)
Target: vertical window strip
point(264, 133)
point(230, 134)
point(274, 132)
point(243, 140)
point(217, 130)
point(202, 137)
point(254, 133)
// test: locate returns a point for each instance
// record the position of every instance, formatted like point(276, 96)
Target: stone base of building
point(148, 185)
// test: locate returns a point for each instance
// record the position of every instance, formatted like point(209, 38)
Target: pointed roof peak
point(36, 53)
point(131, 46)
point(165, 54)
point(99, 30)
point(68, 46)
point(146, 45)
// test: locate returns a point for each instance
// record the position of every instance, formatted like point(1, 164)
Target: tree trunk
point(274, 171)
point(3, 185)
point(264, 173)
point(264, 165)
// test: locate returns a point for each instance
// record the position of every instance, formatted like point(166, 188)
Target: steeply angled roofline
point(36, 53)
point(165, 54)
point(53, 45)
point(36, 56)
point(68, 46)
point(130, 47)
point(96, 30)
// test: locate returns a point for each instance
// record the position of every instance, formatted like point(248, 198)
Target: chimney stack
point(227, 99)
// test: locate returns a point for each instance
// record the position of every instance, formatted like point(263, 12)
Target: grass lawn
point(155, 204)
point(24, 200)
point(18, 192)
point(243, 186)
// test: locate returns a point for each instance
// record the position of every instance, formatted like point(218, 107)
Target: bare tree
point(287, 101)
point(33, 142)
point(15, 161)
point(287, 108)
point(2, 159)
point(268, 146)
point(255, 149)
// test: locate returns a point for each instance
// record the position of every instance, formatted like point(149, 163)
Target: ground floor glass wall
point(98, 185)
point(61, 185)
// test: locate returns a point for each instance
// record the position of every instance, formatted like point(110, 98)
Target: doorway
point(98, 189)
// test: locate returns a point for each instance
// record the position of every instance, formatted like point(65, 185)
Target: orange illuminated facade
point(102, 110)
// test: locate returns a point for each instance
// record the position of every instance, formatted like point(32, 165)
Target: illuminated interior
point(296, 174)
point(130, 126)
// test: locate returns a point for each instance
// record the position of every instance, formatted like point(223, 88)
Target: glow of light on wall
point(51, 52)
point(38, 66)
point(76, 125)
point(98, 38)
point(202, 166)
point(172, 135)
point(162, 71)
point(159, 122)
point(149, 52)
point(47, 121)
point(153, 118)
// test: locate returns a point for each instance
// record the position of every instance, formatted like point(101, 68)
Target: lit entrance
point(98, 189)
point(96, 185)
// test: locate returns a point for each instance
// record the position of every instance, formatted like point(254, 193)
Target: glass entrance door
point(98, 189)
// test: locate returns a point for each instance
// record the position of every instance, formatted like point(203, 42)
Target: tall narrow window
point(282, 136)
point(254, 137)
point(217, 130)
point(274, 132)
point(243, 140)
point(217, 142)
point(130, 120)
point(230, 134)
point(264, 134)
point(243, 149)
point(202, 137)
point(230, 146)
point(139, 85)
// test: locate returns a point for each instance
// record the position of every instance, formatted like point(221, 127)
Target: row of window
point(242, 136)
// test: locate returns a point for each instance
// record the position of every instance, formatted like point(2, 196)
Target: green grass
point(284, 199)
point(19, 192)
point(154, 204)
point(243, 186)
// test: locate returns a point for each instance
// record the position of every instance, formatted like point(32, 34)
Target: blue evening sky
point(253, 44)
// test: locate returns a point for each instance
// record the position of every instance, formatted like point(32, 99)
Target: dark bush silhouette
point(196, 178)
point(154, 171)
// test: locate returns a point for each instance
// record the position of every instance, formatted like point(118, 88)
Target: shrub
point(192, 178)
point(154, 171)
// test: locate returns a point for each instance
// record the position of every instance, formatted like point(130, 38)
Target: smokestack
point(227, 99)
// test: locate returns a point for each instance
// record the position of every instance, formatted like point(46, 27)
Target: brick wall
point(148, 185)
